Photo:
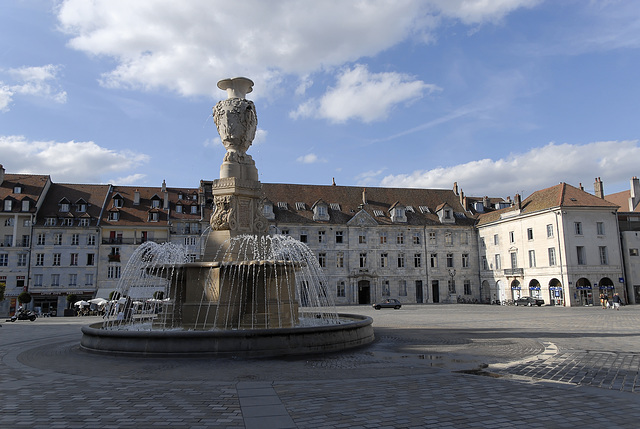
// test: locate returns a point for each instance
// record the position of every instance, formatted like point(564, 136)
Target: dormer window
point(155, 203)
point(267, 211)
point(180, 196)
point(50, 221)
point(320, 211)
point(118, 201)
point(447, 214)
point(179, 208)
point(154, 217)
point(194, 209)
point(8, 205)
point(17, 189)
point(114, 216)
point(398, 213)
point(25, 205)
point(81, 206)
point(64, 207)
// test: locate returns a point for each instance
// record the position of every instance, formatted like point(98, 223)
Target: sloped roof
point(93, 195)
point(32, 187)
point(350, 202)
point(561, 195)
point(622, 199)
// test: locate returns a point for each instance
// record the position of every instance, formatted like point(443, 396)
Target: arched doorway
point(485, 293)
point(584, 292)
point(364, 292)
point(606, 286)
point(555, 292)
point(534, 288)
point(515, 290)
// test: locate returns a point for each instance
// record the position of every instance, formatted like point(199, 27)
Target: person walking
point(616, 301)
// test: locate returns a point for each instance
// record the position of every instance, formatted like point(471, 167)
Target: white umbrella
point(81, 303)
point(98, 301)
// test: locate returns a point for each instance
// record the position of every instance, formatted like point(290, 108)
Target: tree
point(3, 287)
point(71, 299)
point(24, 298)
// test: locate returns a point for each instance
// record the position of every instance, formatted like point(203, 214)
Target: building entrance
point(364, 292)
point(419, 297)
point(435, 290)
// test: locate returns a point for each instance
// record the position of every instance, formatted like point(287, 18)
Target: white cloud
point(187, 46)
point(132, 179)
point(80, 162)
point(365, 96)
point(310, 158)
point(539, 168)
point(32, 81)
point(370, 178)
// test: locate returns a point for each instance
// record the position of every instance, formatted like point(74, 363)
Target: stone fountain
point(244, 298)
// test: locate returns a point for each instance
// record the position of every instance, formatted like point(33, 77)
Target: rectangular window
point(4, 259)
point(383, 238)
point(385, 288)
point(8, 222)
point(286, 232)
point(417, 260)
point(55, 279)
point(549, 231)
point(113, 272)
point(39, 259)
point(50, 221)
point(22, 259)
point(482, 243)
point(339, 237)
point(91, 258)
point(26, 240)
point(485, 266)
point(433, 260)
point(532, 258)
point(448, 238)
point(91, 240)
point(384, 260)
point(400, 238)
point(74, 259)
point(303, 237)
point(41, 239)
point(322, 259)
point(633, 252)
point(582, 259)
point(600, 228)
point(37, 280)
point(432, 238)
point(340, 260)
point(73, 280)
point(449, 260)
point(363, 260)
point(88, 279)
point(400, 260)
point(417, 238)
point(529, 233)
point(467, 287)
point(402, 288)
point(464, 238)
point(340, 290)
point(84, 222)
point(56, 258)
point(465, 260)
point(57, 239)
point(496, 239)
point(321, 236)
point(362, 238)
point(578, 228)
point(512, 237)
point(498, 262)
point(75, 239)
point(514, 260)
point(604, 258)
point(552, 256)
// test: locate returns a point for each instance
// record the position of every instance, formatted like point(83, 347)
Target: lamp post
point(452, 285)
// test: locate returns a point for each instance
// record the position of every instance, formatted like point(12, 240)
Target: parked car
point(529, 301)
point(388, 303)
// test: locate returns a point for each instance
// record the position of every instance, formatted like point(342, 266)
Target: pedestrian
point(603, 301)
point(616, 301)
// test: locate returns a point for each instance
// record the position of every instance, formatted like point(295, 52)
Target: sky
point(500, 96)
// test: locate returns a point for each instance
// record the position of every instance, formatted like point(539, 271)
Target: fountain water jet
point(245, 298)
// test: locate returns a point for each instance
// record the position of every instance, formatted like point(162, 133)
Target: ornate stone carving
point(260, 223)
point(222, 217)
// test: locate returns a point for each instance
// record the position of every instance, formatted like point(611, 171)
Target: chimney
point(581, 187)
point(599, 188)
point(364, 196)
point(517, 201)
point(455, 188)
point(166, 200)
point(136, 197)
point(462, 199)
point(333, 181)
point(634, 193)
point(485, 202)
point(164, 186)
point(1, 174)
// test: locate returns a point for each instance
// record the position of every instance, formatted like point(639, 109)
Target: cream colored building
point(560, 244)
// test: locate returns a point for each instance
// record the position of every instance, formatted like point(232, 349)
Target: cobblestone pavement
point(444, 366)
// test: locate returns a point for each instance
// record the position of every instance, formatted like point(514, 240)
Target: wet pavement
point(454, 366)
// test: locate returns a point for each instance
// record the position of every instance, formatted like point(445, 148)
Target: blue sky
point(504, 96)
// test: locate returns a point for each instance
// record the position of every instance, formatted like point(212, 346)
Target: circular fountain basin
point(353, 331)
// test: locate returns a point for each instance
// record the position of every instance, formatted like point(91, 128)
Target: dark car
point(388, 303)
point(529, 301)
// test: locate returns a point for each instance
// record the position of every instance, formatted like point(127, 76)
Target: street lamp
point(452, 285)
